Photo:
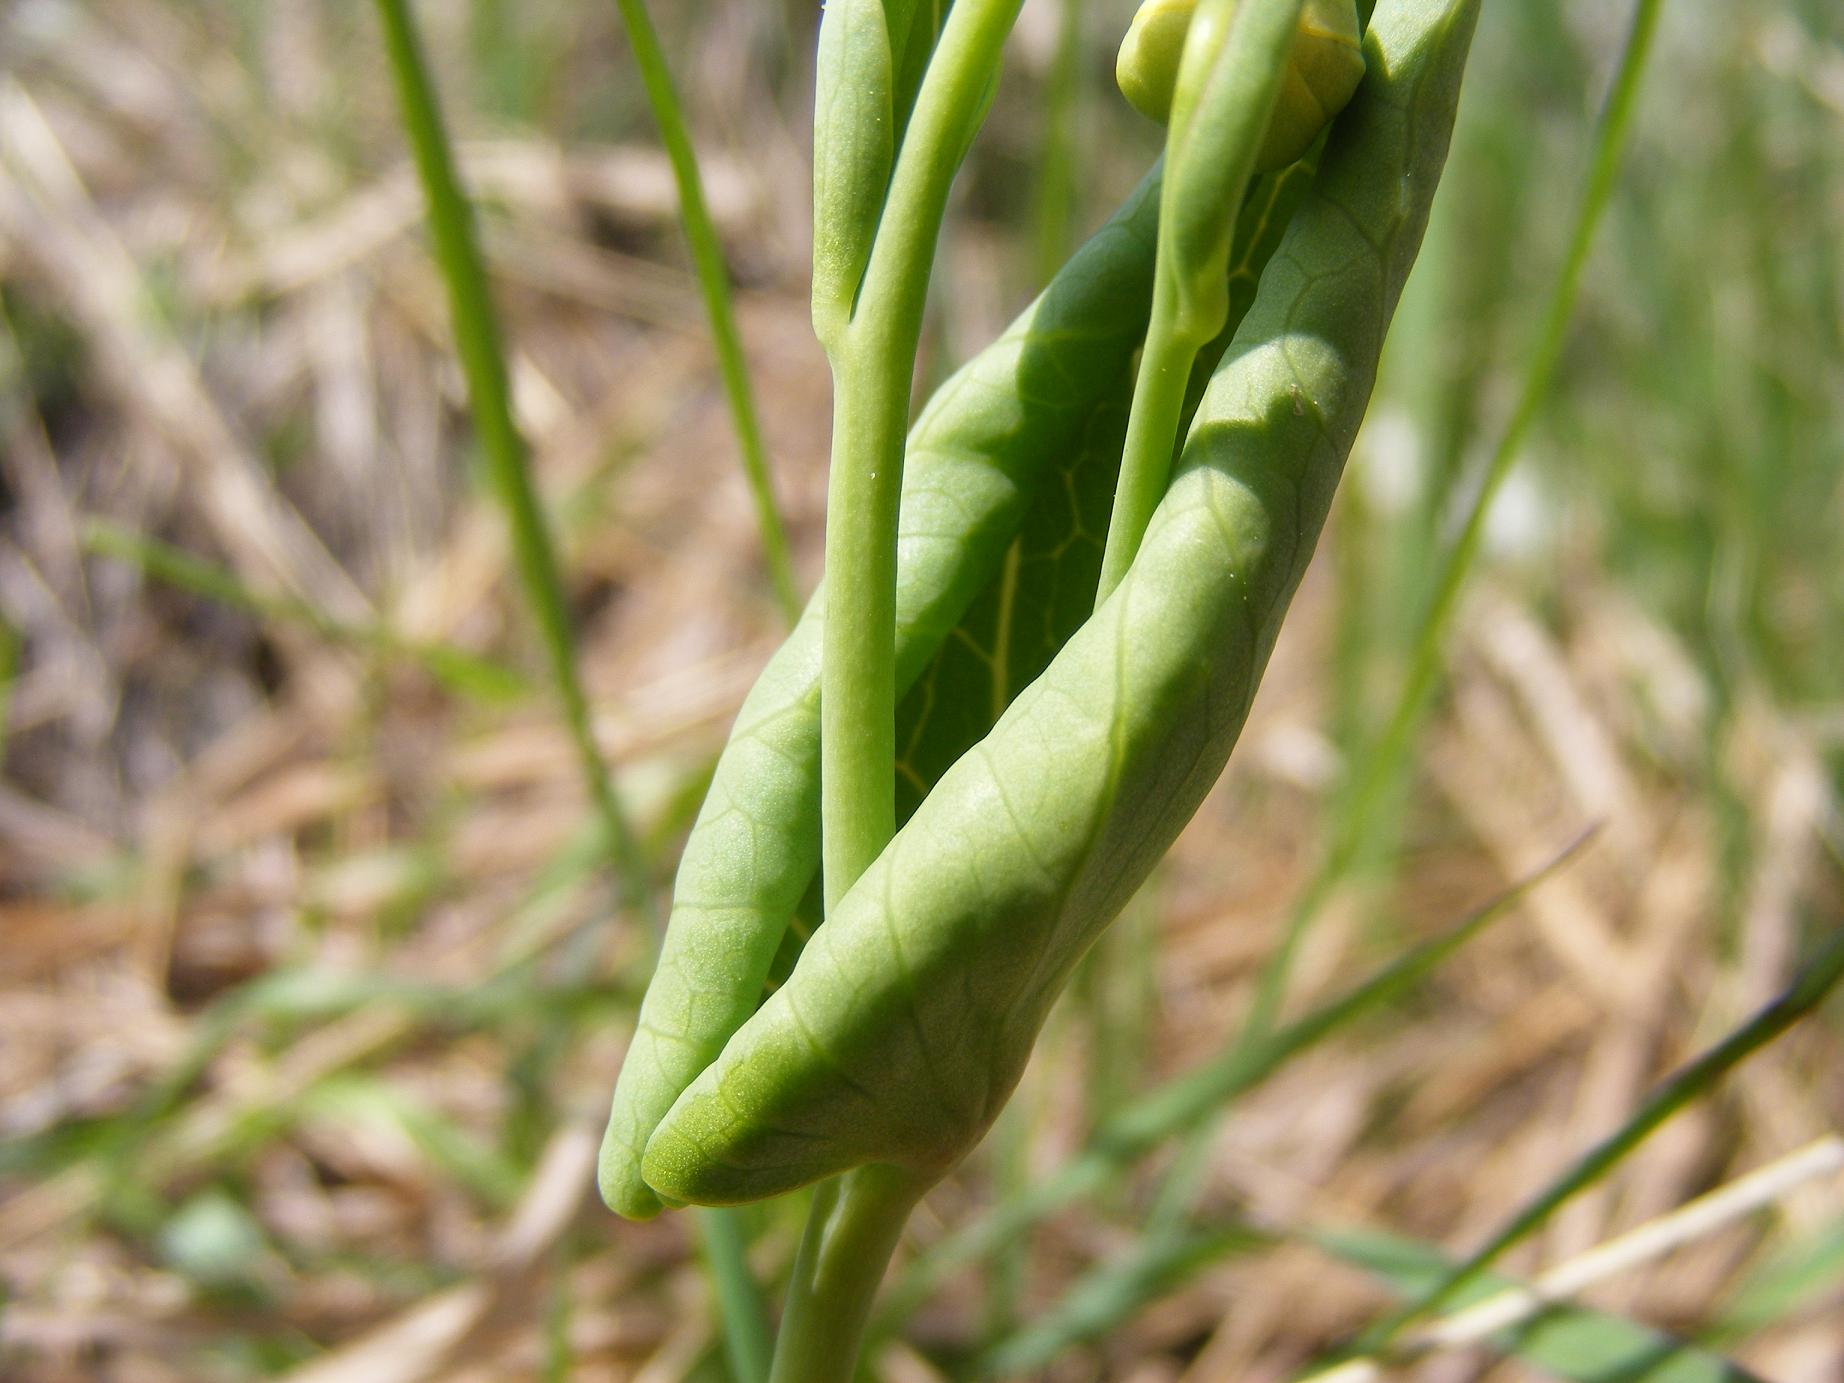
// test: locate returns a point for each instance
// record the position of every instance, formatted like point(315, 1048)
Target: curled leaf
point(979, 454)
point(909, 1016)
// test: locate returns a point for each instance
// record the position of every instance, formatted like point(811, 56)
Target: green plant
point(898, 1034)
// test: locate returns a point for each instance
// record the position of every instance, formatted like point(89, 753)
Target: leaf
point(1032, 406)
point(1045, 587)
point(1043, 591)
point(1568, 1342)
point(910, 1015)
point(914, 27)
point(976, 457)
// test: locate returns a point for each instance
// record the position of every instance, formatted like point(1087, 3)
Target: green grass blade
point(477, 339)
point(1057, 190)
point(1111, 1295)
point(1782, 1286)
point(465, 1159)
point(460, 671)
point(722, 1239)
point(1808, 990)
point(1188, 1100)
point(1566, 1341)
point(9, 675)
point(1610, 142)
point(714, 282)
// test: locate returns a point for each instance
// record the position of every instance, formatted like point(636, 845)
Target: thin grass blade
point(1809, 989)
point(1113, 1294)
point(467, 674)
point(714, 283)
point(1567, 1342)
point(1785, 1284)
point(483, 361)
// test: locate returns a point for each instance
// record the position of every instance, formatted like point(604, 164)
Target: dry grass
point(255, 367)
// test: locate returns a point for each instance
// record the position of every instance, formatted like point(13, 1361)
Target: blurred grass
point(309, 976)
point(483, 360)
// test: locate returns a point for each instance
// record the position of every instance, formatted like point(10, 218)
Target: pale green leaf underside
point(910, 1014)
point(1024, 440)
point(977, 456)
point(1045, 586)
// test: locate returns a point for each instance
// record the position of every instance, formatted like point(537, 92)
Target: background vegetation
point(315, 972)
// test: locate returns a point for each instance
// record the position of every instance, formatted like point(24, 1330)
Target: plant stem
point(1221, 110)
point(714, 282)
point(851, 1232)
point(1152, 430)
point(857, 1218)
point(858, 652)
point(873, 363)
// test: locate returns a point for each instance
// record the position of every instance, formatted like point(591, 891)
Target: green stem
point(1219, 115)
point(852, 1231)
point(858, 650)
point(714, 282)
point(1152, 429)
point(856, 1219)
point(873, 363)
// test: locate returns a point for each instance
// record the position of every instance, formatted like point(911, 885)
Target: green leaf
point(977, 456)
point(1043, 592)
point(910, 1015)
point(1568, 1342)
point(914, 27)
point(1017, 441)
point(1045, 586)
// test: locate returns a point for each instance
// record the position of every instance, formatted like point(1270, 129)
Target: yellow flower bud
point(1323, 69)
